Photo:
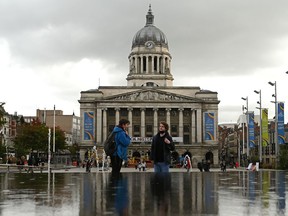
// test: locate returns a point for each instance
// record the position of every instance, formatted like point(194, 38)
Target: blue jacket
point(122, 142)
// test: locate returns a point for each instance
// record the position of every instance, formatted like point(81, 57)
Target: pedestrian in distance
point(122, 140)
point(161, 147)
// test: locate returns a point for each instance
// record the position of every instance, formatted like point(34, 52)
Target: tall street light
point(247, 119)
point(276, 121)
point(260, 131)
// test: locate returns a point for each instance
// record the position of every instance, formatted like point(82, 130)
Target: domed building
point(149, 98)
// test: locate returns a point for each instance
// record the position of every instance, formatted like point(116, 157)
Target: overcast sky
point(51, 50)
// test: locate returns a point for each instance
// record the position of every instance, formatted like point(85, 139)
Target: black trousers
point(116, 162)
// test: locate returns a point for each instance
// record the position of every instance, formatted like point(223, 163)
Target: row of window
point(148, 112)
point(149, 128)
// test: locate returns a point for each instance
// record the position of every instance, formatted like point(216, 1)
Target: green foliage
point(34, 137)
point(74, 149)
point(283, 155)
point(60, 143)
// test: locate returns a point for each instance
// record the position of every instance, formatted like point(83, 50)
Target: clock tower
point(150, 60)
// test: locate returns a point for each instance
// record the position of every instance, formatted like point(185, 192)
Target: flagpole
point(49, 151)
point(54, 131)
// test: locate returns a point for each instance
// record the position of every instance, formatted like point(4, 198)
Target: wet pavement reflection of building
point(141, 193)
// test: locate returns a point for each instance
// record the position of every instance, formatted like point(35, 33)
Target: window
point(161, 113)
point(149, 112)
point(136, 128)
point(123, 112)
point(187, 128)
point(174, 128)
point(148, 128)
point(186, 139)
point(111, 112)
point(136, 112)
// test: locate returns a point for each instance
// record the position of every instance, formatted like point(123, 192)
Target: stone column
point(152, 65)
point(163, 64)
point(104, 123)
point(168, 116)
point(130, 119)
point(158, 62)
point(99, 126)
point(147, 64)
point(141, 64)
point(142, 122)
point(193, 126)
point(181, 124)
point(117, 115)
point(136, 64)
point(155, 123)
point(199, 125)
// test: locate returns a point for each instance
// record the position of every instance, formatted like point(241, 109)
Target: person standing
point(122, 140)
point(161, 147)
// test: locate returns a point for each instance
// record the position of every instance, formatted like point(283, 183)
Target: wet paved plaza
point(144, 193)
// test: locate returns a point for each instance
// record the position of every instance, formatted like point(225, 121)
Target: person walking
point(122, 140)
point(161, 147)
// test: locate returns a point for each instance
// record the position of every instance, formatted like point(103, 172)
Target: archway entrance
point(209, 157)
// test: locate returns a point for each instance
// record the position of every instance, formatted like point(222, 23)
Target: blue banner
point(88, 125)
point(251, 130)
point(209, 126)
point(281, 133)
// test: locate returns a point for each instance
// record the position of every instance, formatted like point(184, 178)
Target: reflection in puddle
point(144, 193)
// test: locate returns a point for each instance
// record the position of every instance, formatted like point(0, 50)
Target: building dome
point(150, 33)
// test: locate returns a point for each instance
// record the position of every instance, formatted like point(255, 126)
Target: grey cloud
point(205, 37)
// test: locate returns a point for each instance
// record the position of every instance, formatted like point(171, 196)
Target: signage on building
point(149, 139)
point(88, 125)
point(209, 118)
point(280, 128)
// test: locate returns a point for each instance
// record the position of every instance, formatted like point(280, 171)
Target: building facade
point(70, 124)
point(149, 98)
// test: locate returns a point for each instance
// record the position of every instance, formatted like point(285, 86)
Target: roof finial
point(149, 17)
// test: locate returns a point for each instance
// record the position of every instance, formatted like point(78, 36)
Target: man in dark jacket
point(122, 142)
point(161, 148)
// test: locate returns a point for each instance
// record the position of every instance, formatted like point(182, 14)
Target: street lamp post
point(260, 131)
point(276, 121)
point(247, 119)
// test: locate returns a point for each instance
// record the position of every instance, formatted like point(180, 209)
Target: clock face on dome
point(149, 44)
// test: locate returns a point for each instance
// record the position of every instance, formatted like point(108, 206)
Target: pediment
point(151, 95)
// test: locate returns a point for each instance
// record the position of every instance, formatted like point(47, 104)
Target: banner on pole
point(265, 134)
point(280, 128)
point(88, 125)
point(251, 129)
point(209, 119)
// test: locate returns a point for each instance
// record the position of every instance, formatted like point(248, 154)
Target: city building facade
point(70, 124)
point(149, 98)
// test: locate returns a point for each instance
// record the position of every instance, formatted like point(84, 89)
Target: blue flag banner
point(280, 129)
point(251, 129)
point(209, 126)
point(88, 125)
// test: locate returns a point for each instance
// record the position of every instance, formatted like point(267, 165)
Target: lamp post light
point(276, 121)
point(260, 131)
point(247, 119)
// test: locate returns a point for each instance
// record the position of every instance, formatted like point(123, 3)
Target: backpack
point(110, 144)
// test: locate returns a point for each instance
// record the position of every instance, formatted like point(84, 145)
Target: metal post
point(247, 128)
point(260, 125)
point(49, 150)
point(247, 118)
point(276, 123)
point(276, 127)
point(54, 131)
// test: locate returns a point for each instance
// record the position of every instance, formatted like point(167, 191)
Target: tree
point(283, 162)
point(34, 138)
point(2, 122)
